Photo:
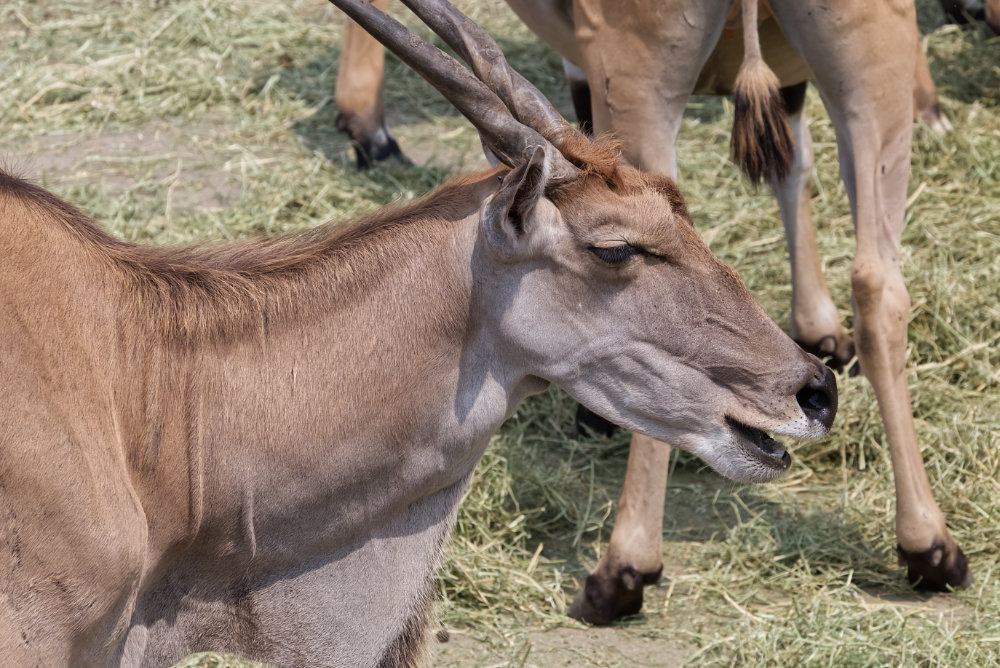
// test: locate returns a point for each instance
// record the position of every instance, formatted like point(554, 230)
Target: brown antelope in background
point(260, 447)
point(361, 116)
point(863, 57)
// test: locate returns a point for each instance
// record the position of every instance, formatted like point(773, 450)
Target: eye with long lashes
point(615, 254)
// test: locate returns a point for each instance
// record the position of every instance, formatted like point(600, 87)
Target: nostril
point(812, 399)
point(818, 399)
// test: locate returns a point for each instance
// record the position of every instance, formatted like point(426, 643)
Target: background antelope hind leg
point(643, 107)
point(815, 321)
point(642, 102)
point(359, 96)
point(863, 65)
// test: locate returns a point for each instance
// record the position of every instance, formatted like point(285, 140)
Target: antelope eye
point(614, 254)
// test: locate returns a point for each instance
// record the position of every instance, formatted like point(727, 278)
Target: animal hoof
point(835, 351)
point(370, 146)
point(368, 153)
point(603, 599)
point(939, 568)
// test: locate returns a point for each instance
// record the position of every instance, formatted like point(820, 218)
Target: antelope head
point(589, 274)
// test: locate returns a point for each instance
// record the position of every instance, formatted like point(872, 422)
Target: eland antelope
point(632, 66)
point(260, 447)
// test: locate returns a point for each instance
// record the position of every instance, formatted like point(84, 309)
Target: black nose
point(818, 399)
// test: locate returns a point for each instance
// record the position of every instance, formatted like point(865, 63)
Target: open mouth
point(764, 448)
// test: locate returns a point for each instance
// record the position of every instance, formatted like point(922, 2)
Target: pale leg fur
point(634, 555)
point(815, 321)
point(873, 120)
point(648, 126)
point(926, 106)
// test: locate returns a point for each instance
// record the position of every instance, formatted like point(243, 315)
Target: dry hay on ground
point(193, 120)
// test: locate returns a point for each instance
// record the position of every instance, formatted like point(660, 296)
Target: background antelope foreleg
point(882, 306)
point(877, 170)
point(863, 63)
point(634, 556)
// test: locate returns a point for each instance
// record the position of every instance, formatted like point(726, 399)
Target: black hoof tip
point(936, 569)
point(604, 600)
point(834, 356)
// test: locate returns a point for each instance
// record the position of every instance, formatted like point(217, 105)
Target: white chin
point(737, 459)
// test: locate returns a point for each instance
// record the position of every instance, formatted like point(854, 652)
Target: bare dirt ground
point(563, 647)
point(178, 157)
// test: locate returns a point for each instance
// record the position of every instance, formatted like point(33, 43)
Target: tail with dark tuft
point(761, 144)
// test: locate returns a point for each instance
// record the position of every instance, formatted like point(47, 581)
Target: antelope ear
point(507, 216)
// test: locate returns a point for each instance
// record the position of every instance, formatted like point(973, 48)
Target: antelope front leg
point(815, 321)
point(862, 57)
point(634, 556)
point(882, 306)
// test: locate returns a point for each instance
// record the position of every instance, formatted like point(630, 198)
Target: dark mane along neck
point(208, 292)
